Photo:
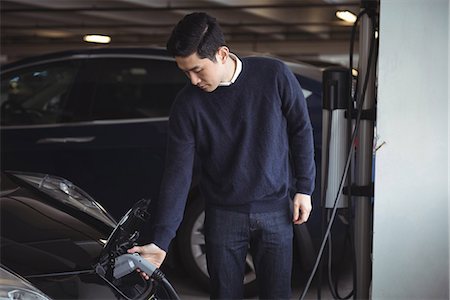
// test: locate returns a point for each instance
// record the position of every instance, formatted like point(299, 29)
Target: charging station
point(335, 133)
point(347, 149)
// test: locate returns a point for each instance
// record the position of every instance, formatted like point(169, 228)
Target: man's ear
point(222, 54)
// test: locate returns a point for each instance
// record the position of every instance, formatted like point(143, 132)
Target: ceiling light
point(97, 38)
point(52, 33)
point(346, 15)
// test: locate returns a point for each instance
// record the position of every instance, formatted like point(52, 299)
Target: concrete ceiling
point(305, 30)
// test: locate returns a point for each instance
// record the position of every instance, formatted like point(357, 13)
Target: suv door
point(36, 108)
point(99, 121)
point(127, 116)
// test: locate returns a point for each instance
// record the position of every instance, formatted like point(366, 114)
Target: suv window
point(134, 88)
point(38, 94)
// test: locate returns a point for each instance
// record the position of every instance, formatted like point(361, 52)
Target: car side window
point(37, 94)
point(134, 88)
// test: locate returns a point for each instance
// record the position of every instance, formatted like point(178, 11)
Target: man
point(247, 121)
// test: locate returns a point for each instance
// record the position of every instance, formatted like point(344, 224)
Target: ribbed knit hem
point(258, 206)
point(162, 238)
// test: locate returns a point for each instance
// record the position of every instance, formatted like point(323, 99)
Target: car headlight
point(22, 294)
point(13, 286)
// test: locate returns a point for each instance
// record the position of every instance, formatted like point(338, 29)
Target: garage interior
point(408, 249)
point(308, 31)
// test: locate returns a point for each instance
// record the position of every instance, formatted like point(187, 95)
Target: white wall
point(411, 225)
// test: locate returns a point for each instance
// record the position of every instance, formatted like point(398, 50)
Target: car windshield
point(68, 193)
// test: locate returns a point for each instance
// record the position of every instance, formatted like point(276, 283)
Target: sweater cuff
point(162, 238)
point(304, 188)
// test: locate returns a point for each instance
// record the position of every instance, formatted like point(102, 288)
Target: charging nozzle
point(127, 263)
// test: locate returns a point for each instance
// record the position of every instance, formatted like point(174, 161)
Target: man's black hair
point(196, 32)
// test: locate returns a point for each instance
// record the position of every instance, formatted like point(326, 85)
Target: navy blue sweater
point(253, 138)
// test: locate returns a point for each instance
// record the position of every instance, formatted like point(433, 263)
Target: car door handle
point(63, 140)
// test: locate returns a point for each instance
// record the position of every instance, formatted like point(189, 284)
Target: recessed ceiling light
point(346, 15)
point(52, 33)
point(97, 38)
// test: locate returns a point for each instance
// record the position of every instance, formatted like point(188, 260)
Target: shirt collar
point(236, 72)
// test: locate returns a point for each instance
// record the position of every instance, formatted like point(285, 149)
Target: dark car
point(57, 237)
point(99, 118)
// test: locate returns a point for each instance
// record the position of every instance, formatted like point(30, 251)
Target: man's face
point(202, 72)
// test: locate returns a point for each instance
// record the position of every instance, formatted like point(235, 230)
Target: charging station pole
point(364, 158)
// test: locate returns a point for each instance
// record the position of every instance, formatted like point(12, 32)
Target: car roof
point(304, 69)
point(87, 52)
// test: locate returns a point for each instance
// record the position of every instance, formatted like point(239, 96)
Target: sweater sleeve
point(177, 178)
point(299, 130)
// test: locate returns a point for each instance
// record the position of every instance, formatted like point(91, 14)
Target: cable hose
point(171, 290)
point(158, 275)
point(334, 288)
point(349, 156)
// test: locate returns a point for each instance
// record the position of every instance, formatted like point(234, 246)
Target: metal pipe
point(363, 172)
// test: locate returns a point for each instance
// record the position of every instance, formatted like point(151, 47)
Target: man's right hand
point(151, 253)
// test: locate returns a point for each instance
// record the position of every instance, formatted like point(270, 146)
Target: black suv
point(98, 117)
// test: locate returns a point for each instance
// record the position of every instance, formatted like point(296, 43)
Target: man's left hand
point(302, 208)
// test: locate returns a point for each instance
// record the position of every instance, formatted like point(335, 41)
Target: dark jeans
point(228, 237)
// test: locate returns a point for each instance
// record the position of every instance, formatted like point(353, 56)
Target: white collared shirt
point(236, 72)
